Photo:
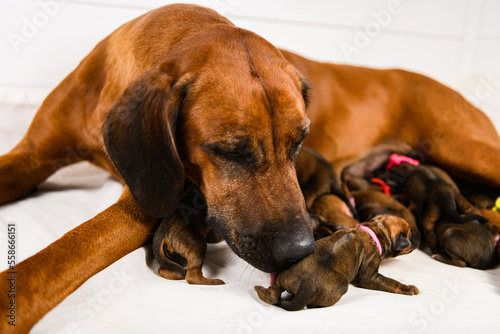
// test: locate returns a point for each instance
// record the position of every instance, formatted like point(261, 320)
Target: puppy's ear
point(401, 242)
point(139, 135)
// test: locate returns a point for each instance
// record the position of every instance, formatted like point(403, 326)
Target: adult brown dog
point(182, 93)
point(351, 255)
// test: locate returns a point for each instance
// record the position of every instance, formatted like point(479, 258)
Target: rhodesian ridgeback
point(181, 93)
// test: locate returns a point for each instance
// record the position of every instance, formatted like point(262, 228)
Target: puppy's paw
point(266, 295)
point(410, 290)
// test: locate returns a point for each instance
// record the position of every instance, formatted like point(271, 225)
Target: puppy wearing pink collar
point(347, 256)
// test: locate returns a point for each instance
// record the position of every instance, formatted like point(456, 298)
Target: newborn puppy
point(494, 219)
point(351, 255)
point(182, 240)
point(434, 196)
point(465, 244)
point(328, 214)
point(317, 177)
point(373, 203)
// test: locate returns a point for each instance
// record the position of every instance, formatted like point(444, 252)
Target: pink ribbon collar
point(374, 237)
point(398, 159)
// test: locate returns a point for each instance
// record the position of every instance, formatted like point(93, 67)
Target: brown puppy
point(323, 277)
point(371, 203)
point(317, 177)
point(177, 243)
point(494, 219)
point(434, 196)
point(329, 213)
point(182, 240)
point(468, 244)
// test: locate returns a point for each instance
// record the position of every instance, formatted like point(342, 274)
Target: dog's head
point(228, 112)
point(397, 232)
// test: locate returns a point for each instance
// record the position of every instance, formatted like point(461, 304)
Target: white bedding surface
point(130, 297)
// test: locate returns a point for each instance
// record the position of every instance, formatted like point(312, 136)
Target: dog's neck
point(374, 237)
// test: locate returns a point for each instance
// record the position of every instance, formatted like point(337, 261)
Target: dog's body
point(350, 255)
point(468, 244)
point(434, 196)
point(180, 92)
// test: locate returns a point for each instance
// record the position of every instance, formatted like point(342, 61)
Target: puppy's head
point(228, 112)
point(398, 234)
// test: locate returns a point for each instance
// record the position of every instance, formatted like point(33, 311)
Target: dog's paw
point(410, 290)
point(204, 281)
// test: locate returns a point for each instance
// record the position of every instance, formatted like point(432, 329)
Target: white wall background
point(454, 41)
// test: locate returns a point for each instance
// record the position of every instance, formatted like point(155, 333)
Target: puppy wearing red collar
point(347, 256)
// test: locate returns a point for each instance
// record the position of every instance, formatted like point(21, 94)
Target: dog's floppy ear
point(139, 135)
point(401, 242)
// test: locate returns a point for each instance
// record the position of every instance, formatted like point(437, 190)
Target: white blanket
point(130, 297)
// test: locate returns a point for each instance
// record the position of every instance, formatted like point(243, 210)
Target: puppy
point(351, 255)
point(182, 239)
point(494, 219)
point(467, 244)
point(371, 203)
point(329, 213)
point(434, 196)
point(317, 177)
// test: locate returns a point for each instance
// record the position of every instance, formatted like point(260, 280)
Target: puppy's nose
point(292, 246)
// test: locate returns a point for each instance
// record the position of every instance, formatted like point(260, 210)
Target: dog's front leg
point(46, 278)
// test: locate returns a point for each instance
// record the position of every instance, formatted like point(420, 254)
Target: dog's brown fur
point(468, 244)
point(370, 203)
point(182, 93)
point(182, 240)
point(433, 196)
point(323, 277)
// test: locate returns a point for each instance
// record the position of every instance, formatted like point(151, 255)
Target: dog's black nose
point(293, 246)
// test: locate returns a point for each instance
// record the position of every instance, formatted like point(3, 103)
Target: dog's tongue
point(273, 277)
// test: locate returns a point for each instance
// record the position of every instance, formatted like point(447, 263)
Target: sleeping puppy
point(317, 177)
point(494, 219)
point(371, 203)
point(351, 255)
point(434, 196)
point(182, 240)
point(329, 213)
point(467, 244)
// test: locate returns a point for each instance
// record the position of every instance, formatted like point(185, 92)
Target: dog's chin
point(250, 248)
